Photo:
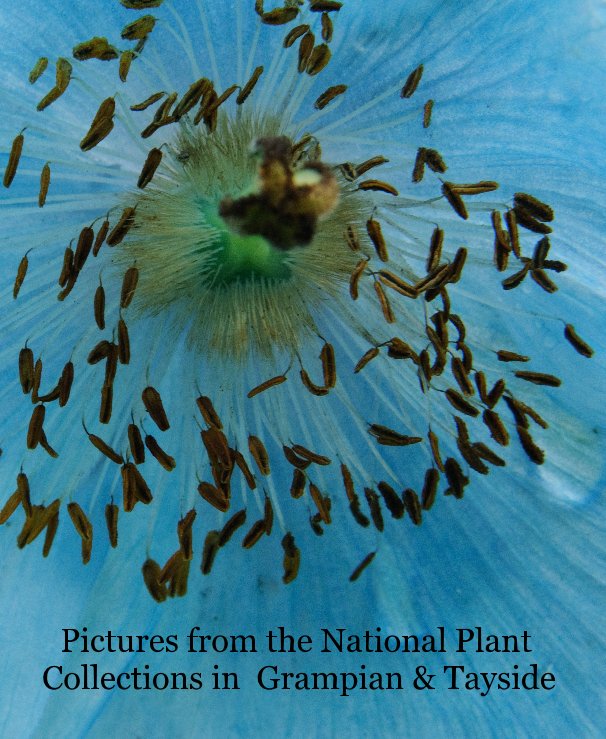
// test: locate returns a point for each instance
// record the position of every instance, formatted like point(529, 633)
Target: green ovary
point(240, 257)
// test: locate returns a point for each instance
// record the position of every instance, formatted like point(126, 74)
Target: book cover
point(302, 368)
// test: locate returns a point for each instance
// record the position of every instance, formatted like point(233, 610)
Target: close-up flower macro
point(302, 335)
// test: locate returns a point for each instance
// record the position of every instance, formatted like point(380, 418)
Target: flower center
point(241, 233)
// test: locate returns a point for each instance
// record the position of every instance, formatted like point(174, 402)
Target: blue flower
point(366, 248)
